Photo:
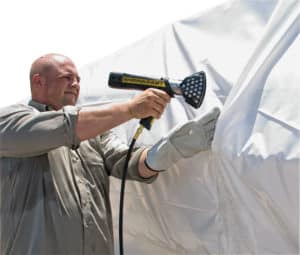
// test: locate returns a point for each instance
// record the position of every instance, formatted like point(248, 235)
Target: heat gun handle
point(147, 122)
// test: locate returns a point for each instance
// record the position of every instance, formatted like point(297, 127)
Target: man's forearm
point(92, 122)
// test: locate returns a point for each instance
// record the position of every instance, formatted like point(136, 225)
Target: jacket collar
point(39, 106)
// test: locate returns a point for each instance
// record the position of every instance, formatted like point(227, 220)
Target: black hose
point(122, 195)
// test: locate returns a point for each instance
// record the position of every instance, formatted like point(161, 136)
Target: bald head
point(46, 63)
point(54, 80)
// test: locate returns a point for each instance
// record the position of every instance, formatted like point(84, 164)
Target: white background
point(85, 30)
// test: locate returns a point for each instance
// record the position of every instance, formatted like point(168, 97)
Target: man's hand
point(150, 102)
point(183, 141)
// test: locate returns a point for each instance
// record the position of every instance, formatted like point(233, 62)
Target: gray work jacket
point(55, 190)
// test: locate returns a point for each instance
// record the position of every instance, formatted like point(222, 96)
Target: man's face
point(62, 85)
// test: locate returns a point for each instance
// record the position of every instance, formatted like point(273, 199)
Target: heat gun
point(192, 88)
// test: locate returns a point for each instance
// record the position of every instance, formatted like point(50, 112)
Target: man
point(56, 159)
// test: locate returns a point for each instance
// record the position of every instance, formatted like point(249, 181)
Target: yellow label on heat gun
point(146, 82)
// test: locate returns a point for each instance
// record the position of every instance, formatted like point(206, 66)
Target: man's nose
point(75, 82)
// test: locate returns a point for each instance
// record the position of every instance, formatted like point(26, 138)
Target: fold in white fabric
point(241, 197)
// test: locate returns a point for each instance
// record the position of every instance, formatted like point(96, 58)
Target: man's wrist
point(130, 110)
point(150, 168)
point(144, 170)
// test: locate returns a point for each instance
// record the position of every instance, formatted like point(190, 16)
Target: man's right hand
point(151, 102)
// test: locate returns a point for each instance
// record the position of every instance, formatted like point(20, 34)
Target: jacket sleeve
point(26, 132)
point(114, 152)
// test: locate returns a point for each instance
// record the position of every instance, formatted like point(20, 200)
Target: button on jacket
point(55, 190)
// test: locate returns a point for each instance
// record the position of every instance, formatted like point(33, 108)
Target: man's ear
point(38, 80)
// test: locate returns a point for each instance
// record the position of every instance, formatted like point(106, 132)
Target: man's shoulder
point(15, 108)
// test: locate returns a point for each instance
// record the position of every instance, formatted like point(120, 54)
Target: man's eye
point(67, 78)
point(70, 78)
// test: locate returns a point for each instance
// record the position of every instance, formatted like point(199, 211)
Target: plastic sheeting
point(242, 197)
